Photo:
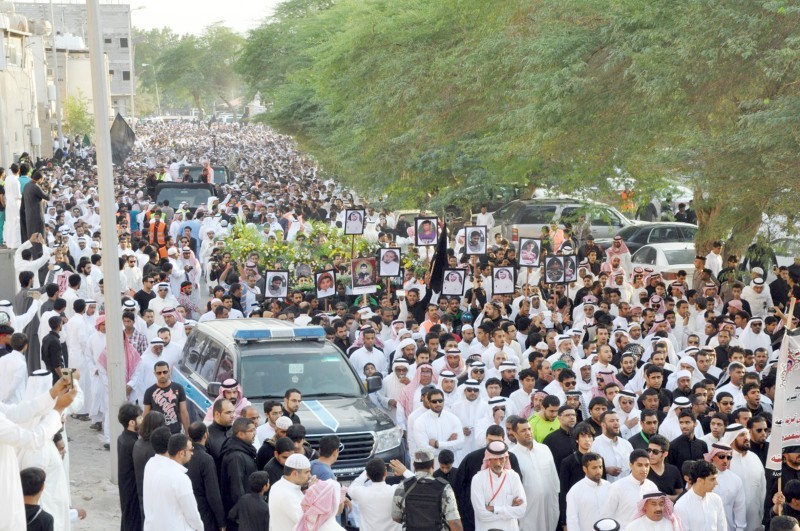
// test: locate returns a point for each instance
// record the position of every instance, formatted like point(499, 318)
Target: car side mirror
point(213, 389)
point(374, 383)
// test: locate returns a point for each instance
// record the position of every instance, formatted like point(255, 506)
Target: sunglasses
point(471, 390)
point(726, 403)
point(760, 430)
point(568, 384)
point(437, 401)
point(479, 370)
point(655, 451)
point(726, 457)
point(162, 372)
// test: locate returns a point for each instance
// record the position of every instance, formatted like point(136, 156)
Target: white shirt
point(729, 489)
point(284, 505)
point(585, 501)
point(374, 502)
point(614, 454)
point(541, 484)
point(440, 427)
point(643, 523)
point(362, 356)
point(13, 377)
point(485, 486)
point(701, 514)
point(754, 483)
point(623, 498)
point(169, 501)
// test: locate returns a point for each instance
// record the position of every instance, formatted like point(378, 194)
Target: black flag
point(439, 262)
point(122, 139)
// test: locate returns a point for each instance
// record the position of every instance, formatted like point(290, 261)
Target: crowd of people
point(619, 400)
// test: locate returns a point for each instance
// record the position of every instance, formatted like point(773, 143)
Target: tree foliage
point(78, 120)
point(423, 99)
point(191, 69)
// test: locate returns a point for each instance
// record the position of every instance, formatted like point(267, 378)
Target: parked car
point(269, 356)
point(524, 218)
point(786, 250)
point(194, 194)
point(667, 258)
point(643, 233)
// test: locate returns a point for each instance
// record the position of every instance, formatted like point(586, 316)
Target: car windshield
point(680, 256)
point(194, 197)
point(196, 172)
point(316, 369)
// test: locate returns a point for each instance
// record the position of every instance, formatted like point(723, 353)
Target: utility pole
point(56, 76)
point(105, 185)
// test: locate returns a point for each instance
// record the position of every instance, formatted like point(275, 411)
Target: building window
point(126, 75)
point(107, 41)
point(123, 42)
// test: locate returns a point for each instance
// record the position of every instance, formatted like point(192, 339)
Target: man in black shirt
point(51, 348)
point(561, 442)
point(648, 419)
point(167, 397)
point(128, 499)
point(202, 471)
point(666, 477)
point(291, 404)
point(758, 437)
point(571, 469)
point(146, 294)
point(686, 446)
point(223, 411)
point(32, 487)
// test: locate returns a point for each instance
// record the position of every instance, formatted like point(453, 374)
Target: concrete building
point(19, 117)
point(115, 21)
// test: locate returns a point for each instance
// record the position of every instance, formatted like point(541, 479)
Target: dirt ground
point(90, 483)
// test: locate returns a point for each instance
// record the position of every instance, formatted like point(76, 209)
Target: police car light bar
point(301, 332)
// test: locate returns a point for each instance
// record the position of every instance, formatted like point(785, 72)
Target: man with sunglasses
point(666, 476)
point(167, 397)
point(729, 487)
point(437, 429)
point(759, 431)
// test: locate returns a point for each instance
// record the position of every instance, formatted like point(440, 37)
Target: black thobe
point(275, 471)
point(142, 452)
point(561, 445)
point(251, 512)
point(639, 441)
point(681, 449)
point(265, 453)
point(217, 435)
point(38, 519)
point(787, 473)
point(51, 355)
point(32, 211)
point(203, 472)
point(462, 485)
point(128, 500)
point(760, 450)
point(506, 388)
point(21, 304)
point(238, 462)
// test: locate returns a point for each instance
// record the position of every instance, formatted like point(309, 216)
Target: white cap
point(683, 373)
point(284, 423)
point(298, 462)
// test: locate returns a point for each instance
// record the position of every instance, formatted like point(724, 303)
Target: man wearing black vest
point(425, 502)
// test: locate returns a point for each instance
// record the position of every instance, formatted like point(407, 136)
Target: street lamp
point(155, 79)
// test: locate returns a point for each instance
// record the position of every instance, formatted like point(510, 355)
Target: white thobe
point(13, 437)
point(541, 484)
point(614, 454)
point(95, 345)
point(11, 230)
point(754, 483)
point(701, 514)
point(643, 523)
point(440, 427)
point(284, 505)
point(13, 377)
point(585, 502)
point(390, 390)
point(374, 502)
point(362, 356)
point(469, 412)
point(729, 489)
point(78, 331)
point(169, 501)
point(499, 492)
point(623, 498)
point(157, 304)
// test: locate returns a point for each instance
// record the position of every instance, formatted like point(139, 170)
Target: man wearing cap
point(655, 512)
point(425, 500)
point(748, 467)
point(497, 495)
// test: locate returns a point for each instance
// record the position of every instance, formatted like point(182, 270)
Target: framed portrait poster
point(427, 231)
point(325, 283)
point(554, 269)
point(277, 284)
point(453, 284)
point(354, 221)
point(530, 252)
point(389, 262)
point(365, 275)
point(502, 280)
point(475, 237)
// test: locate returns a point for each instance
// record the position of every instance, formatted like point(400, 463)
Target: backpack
point(422, 507)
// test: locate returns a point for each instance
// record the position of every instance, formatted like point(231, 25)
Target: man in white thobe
point(12, 236)
point(729, 487)
point(497, 495)
point(14, 371)
point(78, 329)
point(748, 467)
point(169, 501)
point(699, 508)
point(586, 499)
point(612, 448)
point(624, 495)
point(285, 496)
point(540, 479)
point(437, 429)
point(469, 410)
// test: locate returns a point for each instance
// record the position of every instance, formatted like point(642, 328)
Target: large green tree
point(424, 99)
